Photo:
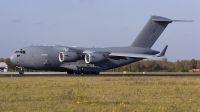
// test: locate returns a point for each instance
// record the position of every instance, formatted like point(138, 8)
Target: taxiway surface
point(15, 74)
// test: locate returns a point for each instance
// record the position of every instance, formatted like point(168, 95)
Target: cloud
point(16, 21)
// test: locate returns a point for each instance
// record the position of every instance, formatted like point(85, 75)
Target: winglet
point(163, 51)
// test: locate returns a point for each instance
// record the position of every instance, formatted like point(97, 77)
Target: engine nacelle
point(93, 58)
point(68, 56)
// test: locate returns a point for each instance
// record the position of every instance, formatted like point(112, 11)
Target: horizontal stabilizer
point(169, 20)
point(163, 51)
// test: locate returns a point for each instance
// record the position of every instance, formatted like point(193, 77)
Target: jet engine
point(93, 58)
point(68, 56)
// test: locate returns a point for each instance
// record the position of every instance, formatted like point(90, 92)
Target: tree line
point(143, 66)
point(160, 66)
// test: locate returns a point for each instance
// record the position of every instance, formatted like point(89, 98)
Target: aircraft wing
point(125, 54)
point(134, 55)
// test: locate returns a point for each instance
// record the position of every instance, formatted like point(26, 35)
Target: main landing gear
point(73, 72)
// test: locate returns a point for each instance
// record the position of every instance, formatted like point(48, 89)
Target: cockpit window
point(21, 52)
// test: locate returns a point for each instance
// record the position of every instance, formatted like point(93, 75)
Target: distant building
point(3, 67)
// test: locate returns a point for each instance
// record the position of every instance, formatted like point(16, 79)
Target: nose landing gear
point(21, 70)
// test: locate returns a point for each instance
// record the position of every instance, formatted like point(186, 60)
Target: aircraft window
point(24, 52)
point(16, 51)
point(21, 52)
point(18, 55)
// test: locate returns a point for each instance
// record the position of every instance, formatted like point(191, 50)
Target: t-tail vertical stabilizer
point(152, 30)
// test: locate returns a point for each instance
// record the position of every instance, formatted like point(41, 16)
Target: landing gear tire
point(78, 73)
point(91, 73)
point(70, 72)
point(96, 73)
point(21, 71)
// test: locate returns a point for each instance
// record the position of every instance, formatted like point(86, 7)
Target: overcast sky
point(98, 23)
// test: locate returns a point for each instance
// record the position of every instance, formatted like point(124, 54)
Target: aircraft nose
point(12, 59)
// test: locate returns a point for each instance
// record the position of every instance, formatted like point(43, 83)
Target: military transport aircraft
point(79, 60)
